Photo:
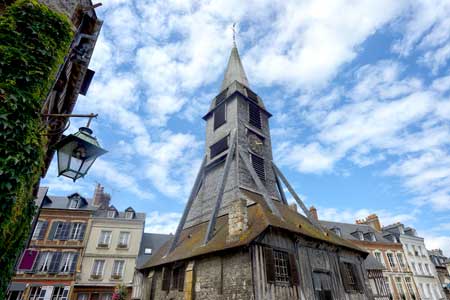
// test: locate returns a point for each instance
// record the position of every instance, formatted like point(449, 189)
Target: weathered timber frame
point(296, 197)
point(195, 189)
point(221, 188)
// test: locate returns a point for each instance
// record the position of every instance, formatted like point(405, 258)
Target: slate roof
point(62, 202)
point(234, 71)
point(102, 213)
point(371, 263)
point(259, 219)
point(153, 241)
point(347, 229)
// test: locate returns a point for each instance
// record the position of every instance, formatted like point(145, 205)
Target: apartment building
point(439, 261)
point(424, 272)
point(111, 252)
point(47, 269)
point(396, 280)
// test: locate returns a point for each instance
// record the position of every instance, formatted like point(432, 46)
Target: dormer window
point(370, 236)
point(129, 215)
point(359, 235)
point(111, 213)
point(74, 203)
point(337, 231)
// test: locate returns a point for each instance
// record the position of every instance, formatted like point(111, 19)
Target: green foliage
point(34, 40)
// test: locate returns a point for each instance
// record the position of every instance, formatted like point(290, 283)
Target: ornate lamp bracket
point(58, 123)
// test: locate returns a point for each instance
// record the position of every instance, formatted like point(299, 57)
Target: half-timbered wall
point(316, 262)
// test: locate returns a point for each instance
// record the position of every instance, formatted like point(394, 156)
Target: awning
point(17, 286)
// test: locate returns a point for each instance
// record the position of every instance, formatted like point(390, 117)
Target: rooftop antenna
point(234, 34)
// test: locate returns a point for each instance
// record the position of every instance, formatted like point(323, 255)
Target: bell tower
point(237, 124)
point(237, 159)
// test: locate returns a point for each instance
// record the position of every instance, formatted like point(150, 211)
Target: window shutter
point(345, 279)
point(28, 259)
point(293, 270)
point(270, 267)
point(251, 95)
point(222, 96)
point(254, 114)
point(359, 280)
point(43, 230)
point(219, 147)
point(181, 273)
point(73, 264)
point(219, 116)
point(51, 235)
point(166, 279)
point(54, 264)
point(258, 165)
point(80, 236)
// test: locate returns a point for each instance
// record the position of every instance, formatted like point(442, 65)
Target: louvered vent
point(219, 116)
point(254, 115)
point(222, 96)
point(258, 165)
point(219, 147)
point(251, 95)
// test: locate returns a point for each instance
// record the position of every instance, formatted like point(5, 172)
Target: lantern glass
point(77, 152)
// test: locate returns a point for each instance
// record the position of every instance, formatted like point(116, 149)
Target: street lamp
point(77, 152)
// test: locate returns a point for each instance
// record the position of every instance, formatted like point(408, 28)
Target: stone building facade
point(238, 238)
point(111, 251)
point(397, 279)
point(424, 272)
point(47, 268)
point(439, 261)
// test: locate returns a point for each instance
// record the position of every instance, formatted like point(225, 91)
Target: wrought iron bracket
point(58, 123)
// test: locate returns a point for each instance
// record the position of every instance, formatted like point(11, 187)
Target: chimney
point(101, 199)
point(237, 219)
point(371, 220)
point(293, 206)
point(313, 212)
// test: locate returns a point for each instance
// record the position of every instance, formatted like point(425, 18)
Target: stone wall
point(219, 277)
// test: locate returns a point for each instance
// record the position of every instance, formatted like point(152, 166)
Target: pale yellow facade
point(113, 241)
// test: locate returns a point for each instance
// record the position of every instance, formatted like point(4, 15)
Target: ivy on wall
point(34, 41)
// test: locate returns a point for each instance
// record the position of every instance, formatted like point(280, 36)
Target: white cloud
point(158, 222)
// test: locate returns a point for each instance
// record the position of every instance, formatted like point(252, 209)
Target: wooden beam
point(195, 189)
point(280, 188)
point(297, 198)
point(259, 184)
point(221, 188)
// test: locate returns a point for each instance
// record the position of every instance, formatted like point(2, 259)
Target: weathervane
point(234, 34)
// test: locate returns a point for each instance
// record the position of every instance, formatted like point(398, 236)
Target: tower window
point(219, 116)
point(258, 165)
point(219, 147)
point(252, 96)
point(222, 96)
point(254, 115)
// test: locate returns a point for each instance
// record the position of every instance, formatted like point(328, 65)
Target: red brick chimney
point(101, 199)
point(313, 212)
point(371, 220)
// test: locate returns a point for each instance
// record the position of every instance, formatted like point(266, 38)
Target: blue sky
point(359, 92)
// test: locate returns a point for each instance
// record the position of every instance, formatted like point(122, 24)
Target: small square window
point(148, 251)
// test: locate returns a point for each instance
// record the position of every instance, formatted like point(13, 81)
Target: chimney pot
point(313, 212)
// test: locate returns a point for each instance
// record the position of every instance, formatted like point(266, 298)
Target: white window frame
point(421, 269)
point(75, 230)
point(37, 229)
point(400, 259)
point(427, 268)
point(57, 293)
point(122, 241)
point(392, 263)
point(102, 238)
point(82, 296)
point(75, 201)
point(47, 260)
point(35, 292)
point(106, 296)
point(380, 260)
point(148, 251)
point(111, 214)
point(129, 215)
point(118, 268)
point(66, 262)
point(95, 267)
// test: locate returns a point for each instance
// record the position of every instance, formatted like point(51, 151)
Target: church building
point(238, 238)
